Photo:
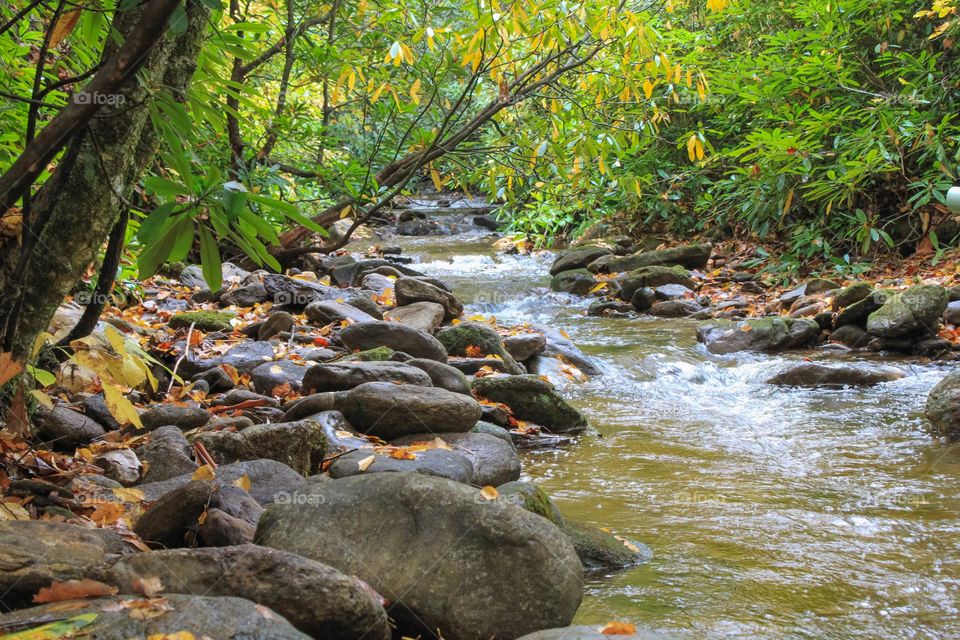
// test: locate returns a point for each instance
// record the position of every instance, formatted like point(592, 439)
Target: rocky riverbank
point(334, 453)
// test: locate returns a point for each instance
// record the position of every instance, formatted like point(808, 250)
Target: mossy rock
point(533, 399)
point(531, 497)
point(377, 354)
point(918, 309)
point(203, 320)
point(458, 338)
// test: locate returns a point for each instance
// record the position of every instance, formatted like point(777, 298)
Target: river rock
point(192, 275)
point(121, 465)
point(558, 345)
point(297, 293)
point(459, 339)
point(820, 285)
point(204, 616)
point(577, 259)
point(308, 406)
point(850, 295)
point(493, 459)
point(943, 407)
point(693, 256)
point(532, 399)
point(423, 316)
point(576, 281)
point(95, 407)
point(341, 376)
point(245, 296)
point(856, 313)
point(601, 550)
point(440, 463)
point(65, 429)
point(389, 410)
point(36, 553)
point(394, 335)
point(300, 445)
point(524, 346)
point(951, 314)
point(917, 309)
point(268, 479)
point(818, 374)
point(523, 573)
point(182, 417)
point(315, 598)
point(327, 311)
point(674, 309)
point(166, 455)
point(442, 375)
point(410, 290)
point(270, 375)
point(654, 276)
point(771, 333)
point(850, 335)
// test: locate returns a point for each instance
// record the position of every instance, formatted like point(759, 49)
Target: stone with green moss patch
point(377, 354)
point(203, 320)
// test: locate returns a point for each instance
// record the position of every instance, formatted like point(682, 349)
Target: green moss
point(532, 498)
point(601, 550)
point(203, 320)
point(377, 354)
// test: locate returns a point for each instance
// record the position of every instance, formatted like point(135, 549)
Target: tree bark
point(80, 203)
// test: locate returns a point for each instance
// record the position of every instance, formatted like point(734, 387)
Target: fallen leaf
point(73, 589)
point(205, 472)
point(364, 464)
point(8, 367)
point(618, 629)
point(55, 630)
point(129, 494)
point(243, 482)
point(107, 513)
point(489, 493)
point(149, 587)
point(177, 635)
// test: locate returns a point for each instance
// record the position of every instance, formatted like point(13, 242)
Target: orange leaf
point(473, 351)
point(108, 513)
point(489, 493)
point(64, 26)
point(72, 589)
point(618, 629)
point(8, 367)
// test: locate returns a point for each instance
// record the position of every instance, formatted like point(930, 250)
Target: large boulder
point(315, 598)
point(692, 256)
point(493, 459)
point(471, 568)
point(36, 553)
point(410, 290)
point(467, 338)
point(300, 445)
point(389, 410)
point(532, 399)
point(943, 406)
point(394, 335)
point(916, 310)
point(818, 374)
point(576, 281)
point(424, 316)
point(341, 376)
point(772, 333)
point(577, 259)
point(125, 617)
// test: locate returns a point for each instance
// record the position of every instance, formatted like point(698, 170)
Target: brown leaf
point(64, 26)
point(108, 513)
point(18, 420)
point(149, 587)
point(73, 589)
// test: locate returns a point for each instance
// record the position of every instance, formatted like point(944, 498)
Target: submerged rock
point(818, 374)
point(472, 568)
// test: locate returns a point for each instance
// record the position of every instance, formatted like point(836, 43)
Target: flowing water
point(771, 512)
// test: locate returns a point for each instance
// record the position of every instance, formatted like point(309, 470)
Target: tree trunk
point(82, 200)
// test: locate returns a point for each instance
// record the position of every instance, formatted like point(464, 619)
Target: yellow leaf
point(205, 472)
point(437, 182)
point(692, 147)
point(647, 88)
point(129, 495)
point(243, 482)
point(42, 398)
point(121, 408)
point(415, 91)
point(489, 493)
point(698, 147)
point(600, 286)
point(788, 202)
point(364, 464)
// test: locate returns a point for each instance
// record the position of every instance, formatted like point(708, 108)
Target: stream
point(771, 512)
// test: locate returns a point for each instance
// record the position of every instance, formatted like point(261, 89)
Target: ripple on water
point(771, 512)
